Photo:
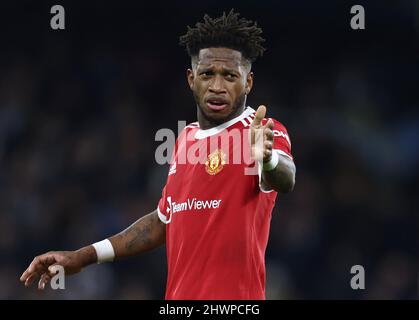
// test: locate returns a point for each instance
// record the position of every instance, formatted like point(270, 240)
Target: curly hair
point(227, 31)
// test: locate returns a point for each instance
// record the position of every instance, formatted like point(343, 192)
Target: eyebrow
point(230, 70)
point(210, 67)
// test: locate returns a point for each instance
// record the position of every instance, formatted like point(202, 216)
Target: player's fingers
point(268, 145)
point(31, 270)
point(45, 278)
point(267, 154)
point(38, 266)
point(23, 276)
point(270, 124)
point(43, 281)
point(269, 134)
point(260, 114)
point(256, 135)
point(30, 279)
point(26, 273)
point(257, 154)
point(52, 269)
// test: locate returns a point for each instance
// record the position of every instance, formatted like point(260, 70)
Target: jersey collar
point(201, 134)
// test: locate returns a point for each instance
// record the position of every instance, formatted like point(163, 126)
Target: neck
point(205, 123)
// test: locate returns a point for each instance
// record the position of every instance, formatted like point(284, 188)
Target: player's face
point(220, 82)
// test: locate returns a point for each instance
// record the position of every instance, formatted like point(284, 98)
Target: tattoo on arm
point(141, 234)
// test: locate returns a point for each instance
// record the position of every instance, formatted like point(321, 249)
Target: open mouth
point(216, 104)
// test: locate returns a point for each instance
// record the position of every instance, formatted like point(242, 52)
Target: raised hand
point(261, 136)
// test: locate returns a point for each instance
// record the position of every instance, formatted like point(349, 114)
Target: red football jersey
point(217, 216)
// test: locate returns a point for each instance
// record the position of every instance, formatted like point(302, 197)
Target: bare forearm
point(87, 255)
point(143, 235)
point(282, 178)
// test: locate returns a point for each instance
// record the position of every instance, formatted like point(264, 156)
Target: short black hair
point(227, 31)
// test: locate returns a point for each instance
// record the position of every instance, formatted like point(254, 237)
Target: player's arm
point(143, 235)
point(282, 177)
point(278, 170)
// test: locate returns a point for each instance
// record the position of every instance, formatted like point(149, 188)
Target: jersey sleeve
point(282, 145)
point(162, 208)
point(282, 142)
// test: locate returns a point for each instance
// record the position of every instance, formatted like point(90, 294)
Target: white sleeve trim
point(162, 217)
point(283, 153)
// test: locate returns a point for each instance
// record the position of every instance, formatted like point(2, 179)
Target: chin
point(218, 116)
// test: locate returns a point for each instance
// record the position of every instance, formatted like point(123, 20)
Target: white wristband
point(104, 251)
point(271, 164)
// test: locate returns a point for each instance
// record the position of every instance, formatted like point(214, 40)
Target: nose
point(217, 85)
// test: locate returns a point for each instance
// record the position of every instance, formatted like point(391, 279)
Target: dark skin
point(224, 73)
point(282, 177)
point(143, 235)
point(219, 74)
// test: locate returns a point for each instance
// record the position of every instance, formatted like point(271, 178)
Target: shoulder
point(187, 129)
point(192, 125)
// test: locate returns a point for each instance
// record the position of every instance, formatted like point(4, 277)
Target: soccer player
point(213, 217)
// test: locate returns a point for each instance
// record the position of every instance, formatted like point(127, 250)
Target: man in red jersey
point(213, 215)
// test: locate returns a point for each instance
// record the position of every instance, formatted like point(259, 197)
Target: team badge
point(215, 162)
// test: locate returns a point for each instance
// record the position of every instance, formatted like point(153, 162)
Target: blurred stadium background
point(79, 109)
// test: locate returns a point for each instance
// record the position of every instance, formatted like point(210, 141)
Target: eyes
point(207, 74)
point(231, 76)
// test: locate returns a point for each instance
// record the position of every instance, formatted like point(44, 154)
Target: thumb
point(53, 269)
point(260, 114)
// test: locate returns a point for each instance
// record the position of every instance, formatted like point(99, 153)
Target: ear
point(190, 77)
point(249, 82)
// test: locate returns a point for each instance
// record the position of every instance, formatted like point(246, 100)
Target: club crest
point(215, 162)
